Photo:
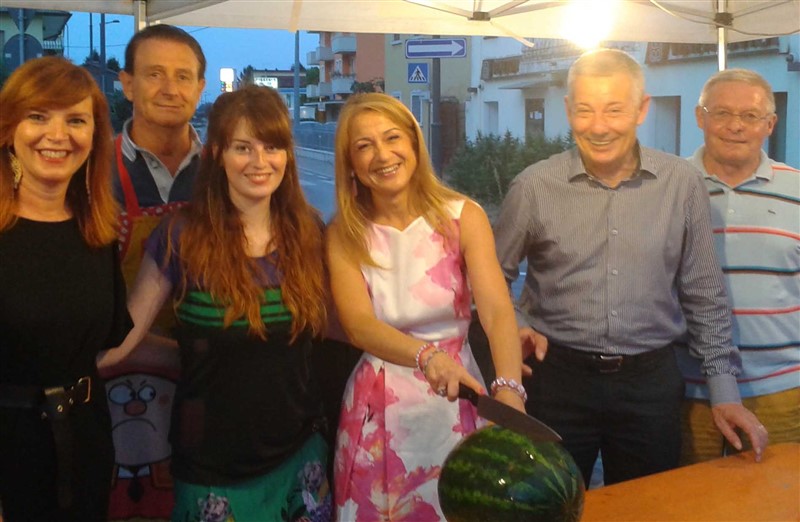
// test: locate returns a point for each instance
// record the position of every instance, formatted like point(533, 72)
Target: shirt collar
point(129, 148)
point(646, 164)
point(763, 171)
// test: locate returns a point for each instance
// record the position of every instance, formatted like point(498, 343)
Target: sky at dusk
point(237, 48)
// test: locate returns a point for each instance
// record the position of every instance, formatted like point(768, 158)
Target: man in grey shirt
point(621, 267)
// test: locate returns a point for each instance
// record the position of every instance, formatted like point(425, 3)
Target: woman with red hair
point(62, 298)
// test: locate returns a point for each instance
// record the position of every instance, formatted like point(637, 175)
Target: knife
point(495, 411)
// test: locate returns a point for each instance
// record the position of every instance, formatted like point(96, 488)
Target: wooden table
point(729, 489)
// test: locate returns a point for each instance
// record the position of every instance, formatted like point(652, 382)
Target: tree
point(112, 64)
point(203, 110)
point(94, 57)
point(246, 76)
point(374, 85)
point(312, 76)
point(121, 109)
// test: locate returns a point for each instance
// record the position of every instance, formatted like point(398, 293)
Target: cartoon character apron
point(139, 398)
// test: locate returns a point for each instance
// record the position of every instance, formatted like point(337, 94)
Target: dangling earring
point(86, 178)
point(16, 168)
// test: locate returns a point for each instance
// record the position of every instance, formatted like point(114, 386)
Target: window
point(491, 118)
point(777, 142)
point(534, 116)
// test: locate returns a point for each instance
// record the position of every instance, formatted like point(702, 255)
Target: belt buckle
point(87, 381)
point(610, 363)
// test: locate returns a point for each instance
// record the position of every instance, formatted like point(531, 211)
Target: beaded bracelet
point(422, 349)
point(428, 360)
point(511, 384)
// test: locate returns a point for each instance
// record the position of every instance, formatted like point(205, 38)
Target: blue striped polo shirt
point(756, 229)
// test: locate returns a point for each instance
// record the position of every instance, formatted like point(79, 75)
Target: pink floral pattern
point(394, 431)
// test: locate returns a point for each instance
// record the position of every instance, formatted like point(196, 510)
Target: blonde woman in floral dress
point(404, 252)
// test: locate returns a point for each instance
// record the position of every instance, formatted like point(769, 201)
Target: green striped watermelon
point(496, 475)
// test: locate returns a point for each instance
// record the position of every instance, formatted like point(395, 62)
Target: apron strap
point(131, 201)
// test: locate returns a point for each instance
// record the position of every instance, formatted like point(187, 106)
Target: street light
point(103, 24)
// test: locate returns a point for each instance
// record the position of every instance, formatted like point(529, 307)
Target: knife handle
point(465, 392)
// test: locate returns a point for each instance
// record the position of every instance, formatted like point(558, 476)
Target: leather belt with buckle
point(54, 402)
point(608, 363)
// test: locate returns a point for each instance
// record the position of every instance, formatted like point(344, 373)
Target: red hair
point(55, 83)
point(212, 244)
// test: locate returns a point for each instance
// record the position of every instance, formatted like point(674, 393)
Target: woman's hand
point(444, 375)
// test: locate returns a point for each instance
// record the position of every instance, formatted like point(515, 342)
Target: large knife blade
point(493, 410)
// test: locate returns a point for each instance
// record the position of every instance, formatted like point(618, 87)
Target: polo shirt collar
point(129, 148)
point(763, 171)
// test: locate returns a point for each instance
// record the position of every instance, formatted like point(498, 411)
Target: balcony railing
point(659, 53)
point(343, 44)
point(312, 91)
point(311, 58)
point(343, 84)
point(324, 54)
point(324, 89)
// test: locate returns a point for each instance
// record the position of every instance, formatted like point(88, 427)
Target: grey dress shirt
point(620, 270)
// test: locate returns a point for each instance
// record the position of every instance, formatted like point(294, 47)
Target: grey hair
point(606, 62)
point(738, 75)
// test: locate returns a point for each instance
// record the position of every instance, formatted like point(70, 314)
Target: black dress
point(61, 302)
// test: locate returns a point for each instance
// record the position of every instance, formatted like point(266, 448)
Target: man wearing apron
point(156, 160)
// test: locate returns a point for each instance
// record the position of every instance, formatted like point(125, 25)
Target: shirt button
point(614, 313)
point(731, 211)
point(614, 232)
point(614, 272)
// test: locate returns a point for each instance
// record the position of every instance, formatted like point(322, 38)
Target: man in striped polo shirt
point(621, 272)
point(755, 215)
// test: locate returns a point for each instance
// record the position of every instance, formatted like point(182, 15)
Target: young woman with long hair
point(244, 265)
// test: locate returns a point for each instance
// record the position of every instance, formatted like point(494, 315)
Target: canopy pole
point(723, 20)
point(296, 84)
point(139, 15)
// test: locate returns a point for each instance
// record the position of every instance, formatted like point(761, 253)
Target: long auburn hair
point(55, 83)
point(428, 196)
point(213, 243)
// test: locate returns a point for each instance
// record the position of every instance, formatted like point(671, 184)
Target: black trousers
point(627, 408)
point(28, 465)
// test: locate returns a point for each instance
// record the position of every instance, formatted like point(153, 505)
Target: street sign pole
point(436, 122)
point(435, 49)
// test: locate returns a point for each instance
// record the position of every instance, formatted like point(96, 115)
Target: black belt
point(602, 363)
point(55, 403)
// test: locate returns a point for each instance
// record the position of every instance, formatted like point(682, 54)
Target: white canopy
point(686, 21)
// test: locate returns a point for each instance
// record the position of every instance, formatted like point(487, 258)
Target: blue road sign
point(437, 48)
point(417, 72)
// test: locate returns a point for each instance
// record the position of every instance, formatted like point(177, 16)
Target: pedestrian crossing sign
point(417, 73)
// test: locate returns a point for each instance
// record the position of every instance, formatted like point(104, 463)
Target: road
point(316, 178)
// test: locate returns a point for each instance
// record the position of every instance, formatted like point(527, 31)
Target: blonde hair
point(738, 75)
point(606, 62)
point(428, 196)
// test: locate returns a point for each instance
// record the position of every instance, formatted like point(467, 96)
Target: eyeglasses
point(724, 117)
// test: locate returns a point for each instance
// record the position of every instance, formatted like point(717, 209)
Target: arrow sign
point(437, 48)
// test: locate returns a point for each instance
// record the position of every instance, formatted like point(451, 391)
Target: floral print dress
point(394, 431)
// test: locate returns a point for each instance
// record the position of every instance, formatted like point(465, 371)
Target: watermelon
point(495, 474)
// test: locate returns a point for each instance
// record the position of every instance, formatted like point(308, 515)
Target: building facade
point(344, 59)
point(411, 80)
point(521, 90)
point(30, 33)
